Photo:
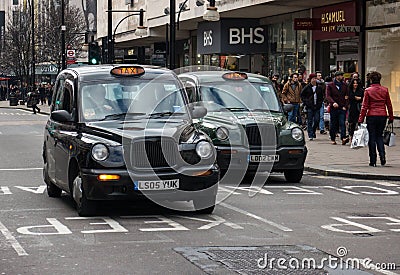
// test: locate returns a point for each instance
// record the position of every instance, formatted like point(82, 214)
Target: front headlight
point(222, 133)
point(100, 152)
point(297, 134)
point(204, 149)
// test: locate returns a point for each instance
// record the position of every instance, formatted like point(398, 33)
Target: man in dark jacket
point(337, 95)
point(312, 96)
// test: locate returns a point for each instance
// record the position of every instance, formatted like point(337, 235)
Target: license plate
point(263, 158)
point(156, 184)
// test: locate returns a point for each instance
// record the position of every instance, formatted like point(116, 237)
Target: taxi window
point(145, 97)
point(59, 94)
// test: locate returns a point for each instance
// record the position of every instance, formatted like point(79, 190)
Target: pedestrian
point(291, 95)
point(376, 106)
point(312, 96)
point(321, 82)
point(49, 93)
point(42, 94)
point(278, 87)
point(338, 97)
point(356, 94)
point(33, 100)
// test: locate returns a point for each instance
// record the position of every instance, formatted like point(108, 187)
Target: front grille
point(261, 134)
point(154, 153)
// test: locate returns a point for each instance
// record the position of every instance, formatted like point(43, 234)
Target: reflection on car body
point(114, 135)
point(247, 123)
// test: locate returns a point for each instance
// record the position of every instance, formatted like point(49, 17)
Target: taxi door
point(64, 133)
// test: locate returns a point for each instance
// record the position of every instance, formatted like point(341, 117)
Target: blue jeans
point(312, 122)
point(294, 115)
point(338, 119)
point(321, 118)
point(375, 127)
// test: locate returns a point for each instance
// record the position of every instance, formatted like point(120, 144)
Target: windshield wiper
point(265, 110)
point(121, 115)
point(163, 114)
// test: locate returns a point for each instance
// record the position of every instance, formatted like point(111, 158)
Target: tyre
point(83, 206)
point(293, 176)
point(53, 191)
point(204, 205)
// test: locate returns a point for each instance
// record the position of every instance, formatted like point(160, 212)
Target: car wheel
point(84, 206)
point(204, 205)
point(53, 191)
point(293, 176)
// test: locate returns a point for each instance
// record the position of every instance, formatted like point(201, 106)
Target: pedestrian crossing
point(15, 114)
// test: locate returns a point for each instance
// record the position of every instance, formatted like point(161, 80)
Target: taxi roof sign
point(127, 71)
point(234, 76)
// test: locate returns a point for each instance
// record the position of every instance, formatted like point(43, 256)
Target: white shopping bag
point(360, 137)
point(392, 141)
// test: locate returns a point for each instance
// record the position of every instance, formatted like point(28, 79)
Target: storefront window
point(382, 13)
point(288, 49)
point(383, 56)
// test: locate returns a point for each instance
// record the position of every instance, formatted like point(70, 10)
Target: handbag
point(389, 137)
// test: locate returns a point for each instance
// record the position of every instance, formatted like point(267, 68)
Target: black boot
point(383, 160)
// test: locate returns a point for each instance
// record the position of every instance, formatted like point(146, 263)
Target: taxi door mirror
point(287, 108)
point(61, 116)
point(199, 112)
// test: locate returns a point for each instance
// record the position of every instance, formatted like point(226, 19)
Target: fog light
point(292, 152)
point(106, 177)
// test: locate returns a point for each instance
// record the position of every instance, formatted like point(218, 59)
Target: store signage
point(342, 14)
point(347, 28)
point(307, 24)
point(231, 36)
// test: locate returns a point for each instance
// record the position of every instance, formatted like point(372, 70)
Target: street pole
point(110, 41)
point(33, 44)
point(172, 34)
point(63, 29)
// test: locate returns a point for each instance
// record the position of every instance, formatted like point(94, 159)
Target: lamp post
point(33, 44)
point(63, 29)
point(211, 14)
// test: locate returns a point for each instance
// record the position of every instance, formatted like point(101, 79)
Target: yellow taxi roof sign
point(127, 71)
point(234, 76)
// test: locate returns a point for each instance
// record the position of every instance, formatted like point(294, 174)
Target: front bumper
point(124, 188)
point(290, 158)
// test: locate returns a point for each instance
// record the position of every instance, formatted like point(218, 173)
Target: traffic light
point(94, 53)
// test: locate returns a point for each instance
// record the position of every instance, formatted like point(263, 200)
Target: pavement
point(327, 159)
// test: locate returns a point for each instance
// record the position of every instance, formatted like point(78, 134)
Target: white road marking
point(20, 169)
point(244, 212)
point(14, 243)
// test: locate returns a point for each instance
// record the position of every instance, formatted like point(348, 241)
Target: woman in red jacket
point(376, 101)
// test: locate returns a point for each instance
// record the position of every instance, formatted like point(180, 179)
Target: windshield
point(131, 97)
point(240, 96)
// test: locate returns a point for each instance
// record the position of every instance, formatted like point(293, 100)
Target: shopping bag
point(360, 137)
point(389, 137)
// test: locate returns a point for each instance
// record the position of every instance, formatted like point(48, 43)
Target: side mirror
point(287, 108)
point(199, 112)
point(61, 116)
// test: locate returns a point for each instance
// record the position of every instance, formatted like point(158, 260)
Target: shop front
point(383, 43)
point(233, 44)
point(337, 43)
point(46, 73)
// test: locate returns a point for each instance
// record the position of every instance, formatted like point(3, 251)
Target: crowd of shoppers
point(346, 101)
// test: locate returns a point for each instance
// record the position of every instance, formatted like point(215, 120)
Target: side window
point(191, 91)
point(67, 98)
point(59, 94)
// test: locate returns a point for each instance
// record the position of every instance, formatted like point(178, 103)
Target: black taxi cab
point(247, 123)
point(126, 133)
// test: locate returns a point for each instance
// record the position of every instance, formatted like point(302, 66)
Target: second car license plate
point(156, 184)
point(263, 158)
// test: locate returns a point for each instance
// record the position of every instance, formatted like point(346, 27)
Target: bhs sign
point(231, 36)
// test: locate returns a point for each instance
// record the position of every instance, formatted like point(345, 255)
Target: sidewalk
point(44, 109)
point(326, 159)
point(339, 160)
